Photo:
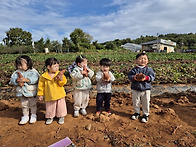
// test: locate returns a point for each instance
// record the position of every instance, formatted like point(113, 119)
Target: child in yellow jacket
point(50, 87)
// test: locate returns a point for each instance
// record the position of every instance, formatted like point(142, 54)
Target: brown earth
point(172, 123)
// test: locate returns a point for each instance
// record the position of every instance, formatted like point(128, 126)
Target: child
point(50, 87)
point(81, 76)
point(141, 77)
point(25, 78)
point(104, 80)
point(71, 67)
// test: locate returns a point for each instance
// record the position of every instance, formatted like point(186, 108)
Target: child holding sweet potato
point(141, 77)
point(50, 87)
point(81, 75)
point(25, 78)
point(104, 80)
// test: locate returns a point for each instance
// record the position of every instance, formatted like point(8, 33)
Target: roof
point(133, 47)
point(161, 41)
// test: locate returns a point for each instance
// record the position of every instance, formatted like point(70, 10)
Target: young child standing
point(25, 78)
point(81, 76)
point(141, 77)
point(104, 80)
point(50, 87)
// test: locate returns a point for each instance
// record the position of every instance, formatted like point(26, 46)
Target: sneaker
point(109, 112)
point(33, 118)
point(144, 118)
point(76, 113)
point(83, 111)
point(97, 114)
point(135, 116)
point(49, 121)
point(61, 120)
point(24, 120)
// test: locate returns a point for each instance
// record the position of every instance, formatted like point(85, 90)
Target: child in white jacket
point(104, 80)
point(81, 76)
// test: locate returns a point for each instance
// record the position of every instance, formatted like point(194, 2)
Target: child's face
point(105, 68)
point(83, 63)
point(23, 65)
point(142, 60)
point(53, 69)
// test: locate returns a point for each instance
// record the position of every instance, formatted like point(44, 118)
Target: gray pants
point(81, 98)
point(139, 97)
point(28, 103)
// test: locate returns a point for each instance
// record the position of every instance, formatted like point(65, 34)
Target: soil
point(172, 123)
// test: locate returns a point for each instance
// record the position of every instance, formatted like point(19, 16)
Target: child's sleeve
point(112, 77)
point(13, 79)
point(151, 75)
point(33, 77)
point(41, 85)
point(131, 75)
point(90, 73)
point(99, 77)
point(76, 74)
point(63, 82)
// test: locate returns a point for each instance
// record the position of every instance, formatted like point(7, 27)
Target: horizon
point(104, 20)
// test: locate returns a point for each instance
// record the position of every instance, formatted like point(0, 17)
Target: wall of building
point(166, 48)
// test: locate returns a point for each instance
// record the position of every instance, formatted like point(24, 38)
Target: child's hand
point(140, 77)
point(60, 75)
point(85, 71)
point(40, 98)
point(106, 76)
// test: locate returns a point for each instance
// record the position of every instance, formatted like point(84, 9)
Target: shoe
point(135, 116)
point(61, 120)
point(24, 120)
point(83, 111)
point(33, 118)
point(49, 121)
point(76, 113)
point(109, 112)
point(97, 114)
point(145, 118)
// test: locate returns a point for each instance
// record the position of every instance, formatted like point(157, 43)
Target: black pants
point(106, 97)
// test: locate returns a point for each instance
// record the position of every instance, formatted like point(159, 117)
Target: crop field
point(172, 116)
point(170, 68)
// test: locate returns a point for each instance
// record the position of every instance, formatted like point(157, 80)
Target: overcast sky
point(105, 20)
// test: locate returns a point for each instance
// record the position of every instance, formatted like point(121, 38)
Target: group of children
point(49, 87)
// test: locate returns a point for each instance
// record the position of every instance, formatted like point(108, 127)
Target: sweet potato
point(140, 76)
point(21, 84)
point(60, 74)
point(106, 76)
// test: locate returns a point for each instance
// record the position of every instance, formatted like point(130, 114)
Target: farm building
point(159, 45)
point(132, 47)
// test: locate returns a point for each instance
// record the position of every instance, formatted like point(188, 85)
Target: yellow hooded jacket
point(51, 89)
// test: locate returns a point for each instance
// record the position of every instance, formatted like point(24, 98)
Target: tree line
point(19, 41)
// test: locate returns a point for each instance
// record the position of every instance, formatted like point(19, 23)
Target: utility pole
point(157, 42)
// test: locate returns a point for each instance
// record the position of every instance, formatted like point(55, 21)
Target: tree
point(110, 46)
point(56, 47)
point(81, 40)
point(78, 36)
point(40, 45)
point(98, 46)
point(16, 36)
point(66, 44)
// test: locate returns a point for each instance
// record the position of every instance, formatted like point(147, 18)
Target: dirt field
point(172, 123)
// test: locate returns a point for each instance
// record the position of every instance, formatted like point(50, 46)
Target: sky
point(104, 20)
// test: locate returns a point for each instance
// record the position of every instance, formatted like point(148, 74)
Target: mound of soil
point(172, 123)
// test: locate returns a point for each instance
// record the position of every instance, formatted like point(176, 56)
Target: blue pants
point(106, 97)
